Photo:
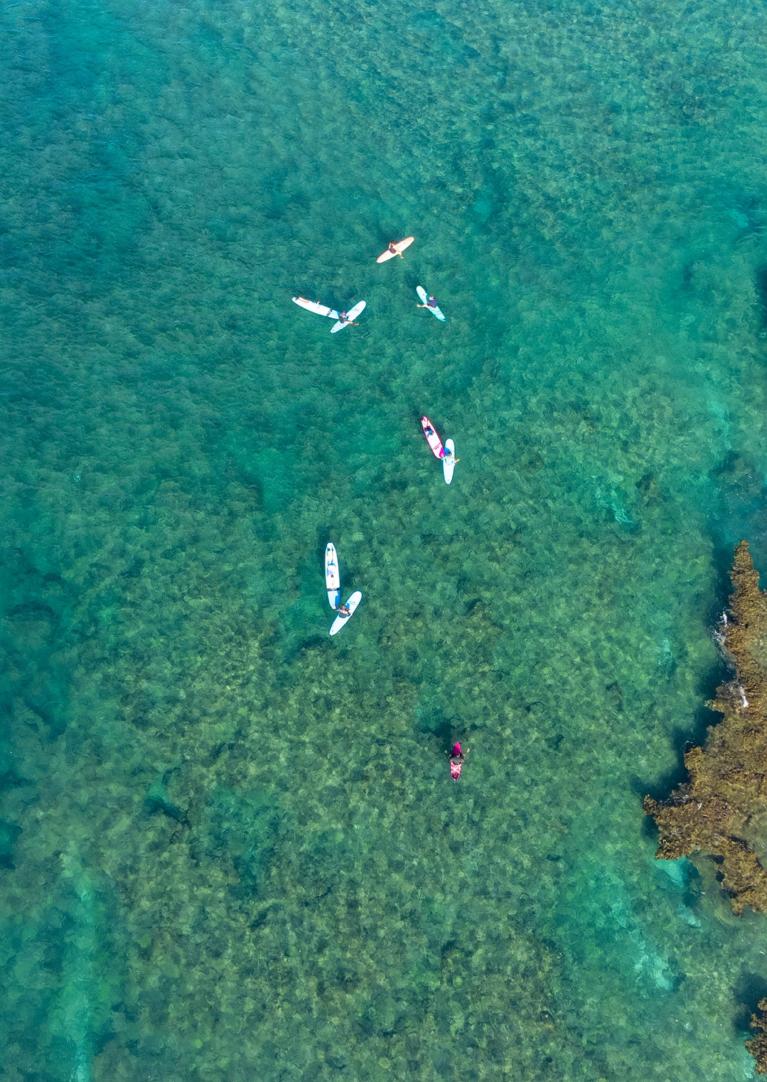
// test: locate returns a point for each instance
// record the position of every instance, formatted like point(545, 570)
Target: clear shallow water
point(231, 848)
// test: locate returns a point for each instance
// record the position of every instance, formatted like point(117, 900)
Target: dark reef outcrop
point(757, 1046)
point(722, 809)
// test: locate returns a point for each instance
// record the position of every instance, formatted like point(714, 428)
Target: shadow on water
point(323, 534)
point(749, 989)
point(661, 787)
point(444, 731)
point(439, 730)
point(741, 512)
point(723, 555)
point(303, 647)
point(683, 737)
point(761, 292)
point(9, 833)
point(436, 724)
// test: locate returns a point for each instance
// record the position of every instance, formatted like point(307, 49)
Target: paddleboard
point(432, 438)
point(435, 311)
point(340, 621)
point(315, 306)
point(332, 576)
point(399, 247)
point(448, 462)
point(351, 315)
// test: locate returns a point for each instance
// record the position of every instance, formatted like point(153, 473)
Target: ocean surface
point(230, 848)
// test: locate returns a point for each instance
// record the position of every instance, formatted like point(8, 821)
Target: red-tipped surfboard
point(332, 576)
point(316, 307)
point(433, 440)
point(397, 247)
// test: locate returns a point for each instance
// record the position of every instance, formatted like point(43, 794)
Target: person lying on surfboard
point(344, 610)
point(392, 247)
point(431, 302)
point(457, 757)
point(445, 452)
point(342, 317)
point(429, 431)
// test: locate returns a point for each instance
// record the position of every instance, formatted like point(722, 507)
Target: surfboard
point(332, 576)
point(399, 246)
point(351, 315)
point(430, 433)
point(448, 462)
point(341, 621)
point(315, 306)
point(435, 311)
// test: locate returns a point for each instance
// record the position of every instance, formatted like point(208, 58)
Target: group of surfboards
point(444, 452)
point(348, 317)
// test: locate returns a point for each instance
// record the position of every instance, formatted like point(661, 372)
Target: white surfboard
point(399, 246)
point(435, 310)
point(341, 621)
point(351, 315)
point(316, 307)
point(448, 462)
point(332, 576)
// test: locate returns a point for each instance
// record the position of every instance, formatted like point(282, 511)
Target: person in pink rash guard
point(457, 756)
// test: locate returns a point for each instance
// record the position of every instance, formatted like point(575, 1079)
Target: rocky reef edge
point(721, 810)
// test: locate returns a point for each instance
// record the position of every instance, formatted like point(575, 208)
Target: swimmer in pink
point(457, 756)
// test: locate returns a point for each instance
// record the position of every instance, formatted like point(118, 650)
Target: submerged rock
point(757, 1046)
point(722, 809)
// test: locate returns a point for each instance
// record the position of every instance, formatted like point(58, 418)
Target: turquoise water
point(230, 847)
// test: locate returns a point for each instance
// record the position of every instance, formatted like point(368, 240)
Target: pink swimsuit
point(456, 761)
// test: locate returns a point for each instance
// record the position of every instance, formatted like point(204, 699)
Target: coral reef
point(722, 809)
point(757, 1046)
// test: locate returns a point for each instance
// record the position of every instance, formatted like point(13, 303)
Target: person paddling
point(457, 759)
point(392, 247)
point(344, 611)
point(431, 302)
point(445, 452)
